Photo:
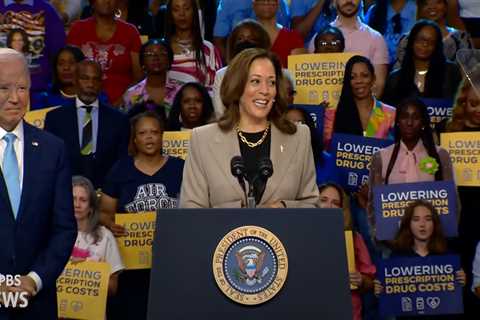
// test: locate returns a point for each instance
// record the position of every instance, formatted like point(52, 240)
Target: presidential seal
point(250, 265)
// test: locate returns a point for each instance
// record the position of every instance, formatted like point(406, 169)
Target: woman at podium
point(252, 139)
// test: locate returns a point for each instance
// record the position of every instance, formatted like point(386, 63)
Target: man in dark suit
point(37, 224)
point(96, 135)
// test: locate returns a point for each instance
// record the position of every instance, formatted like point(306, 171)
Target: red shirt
point(114, 54)
point(286, 41)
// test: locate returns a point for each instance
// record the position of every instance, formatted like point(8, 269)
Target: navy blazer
point(112, 139)
point(42, 237)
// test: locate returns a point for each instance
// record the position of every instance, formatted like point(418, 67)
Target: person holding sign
point(425, 71)
point(358, 111)
point(420, 235)
point(191, 108)
point(147, 180)
point(94, 242)
point(329, 40)
point(413, 157)
point(333, 196)
point(253, 127)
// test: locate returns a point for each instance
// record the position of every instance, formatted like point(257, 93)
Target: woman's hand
point(117, 230)
point(377, 287)
point(356, 279)
point(461, 277)
point(362, 196)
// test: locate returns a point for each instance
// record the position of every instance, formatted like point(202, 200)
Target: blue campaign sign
point(390, 201)
point(438, 109)
point(352, 158)
point(420, 286)
point(317, 113)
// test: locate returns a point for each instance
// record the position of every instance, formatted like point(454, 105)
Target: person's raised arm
point(304, 24)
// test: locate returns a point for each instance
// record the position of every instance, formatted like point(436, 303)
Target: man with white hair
point(37, 225)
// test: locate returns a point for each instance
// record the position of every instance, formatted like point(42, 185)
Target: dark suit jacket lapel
point(72, 118)
point(30, 154)
point(102, 128)
point(282, 149)
point(224, 146)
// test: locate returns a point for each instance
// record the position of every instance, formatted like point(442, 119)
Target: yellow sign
point(318, 77)
point(350, 254)
point(136, 247)
point(82, 290)
point(464, 150)
point(175, 143)
point(37, 117)
point(250, 265)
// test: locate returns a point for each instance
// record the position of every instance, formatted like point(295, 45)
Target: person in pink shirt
point(333, 196)
point(413, 157)
point(114, 44)
point(362, 39)
point(284, 41)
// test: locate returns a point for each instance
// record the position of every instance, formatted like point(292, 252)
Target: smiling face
point(421, 224)
point(435, 10)
point(362, 81)
point(148, 136)
point(472, 109)
point(259, 92)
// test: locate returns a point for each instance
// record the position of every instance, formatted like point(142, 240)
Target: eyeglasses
point(333, 43)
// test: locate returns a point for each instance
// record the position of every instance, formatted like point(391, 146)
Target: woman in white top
point(94, 242)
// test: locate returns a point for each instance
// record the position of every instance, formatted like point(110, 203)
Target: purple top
point(45, 31)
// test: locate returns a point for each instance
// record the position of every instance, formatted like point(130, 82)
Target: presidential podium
point(189, 242)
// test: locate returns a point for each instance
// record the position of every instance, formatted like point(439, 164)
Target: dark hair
point(378, 15)
point(77, 55)
point(347, 117)
point(404, 240)
point(23, 33)
point(426, 136)
point(207, 106)
point(93, 226)
point(344, 200)
point(436, 71)
point(132, 148)
point(317, 142)
point(160, 42)
point(234, 83)
point(333, 31)
point(197, 39)
point(262, 37)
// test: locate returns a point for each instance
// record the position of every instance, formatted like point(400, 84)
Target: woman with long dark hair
point(195, 59)
point(358, 111)
point(413, 157)
point(191, 108)
point(425, 72)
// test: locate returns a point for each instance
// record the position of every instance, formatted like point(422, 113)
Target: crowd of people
point(120, 73)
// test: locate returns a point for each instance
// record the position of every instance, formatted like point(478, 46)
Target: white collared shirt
point(18, 146)
point(81, 112)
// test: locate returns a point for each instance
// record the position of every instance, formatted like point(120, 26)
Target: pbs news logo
point(9, 298)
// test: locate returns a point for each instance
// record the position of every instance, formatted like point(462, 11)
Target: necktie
point(11, 173)
point(87, 132)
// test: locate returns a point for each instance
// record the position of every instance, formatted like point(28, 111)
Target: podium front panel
point(182, 284)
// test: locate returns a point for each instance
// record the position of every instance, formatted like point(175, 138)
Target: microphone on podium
point(237, 167)
point(265, 171)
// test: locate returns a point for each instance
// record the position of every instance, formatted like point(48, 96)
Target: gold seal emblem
point(250, 265)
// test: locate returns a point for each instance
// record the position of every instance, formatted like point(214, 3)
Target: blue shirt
point(407, 20)
point(300, 8)
point(231, 12)
point(137, 191)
